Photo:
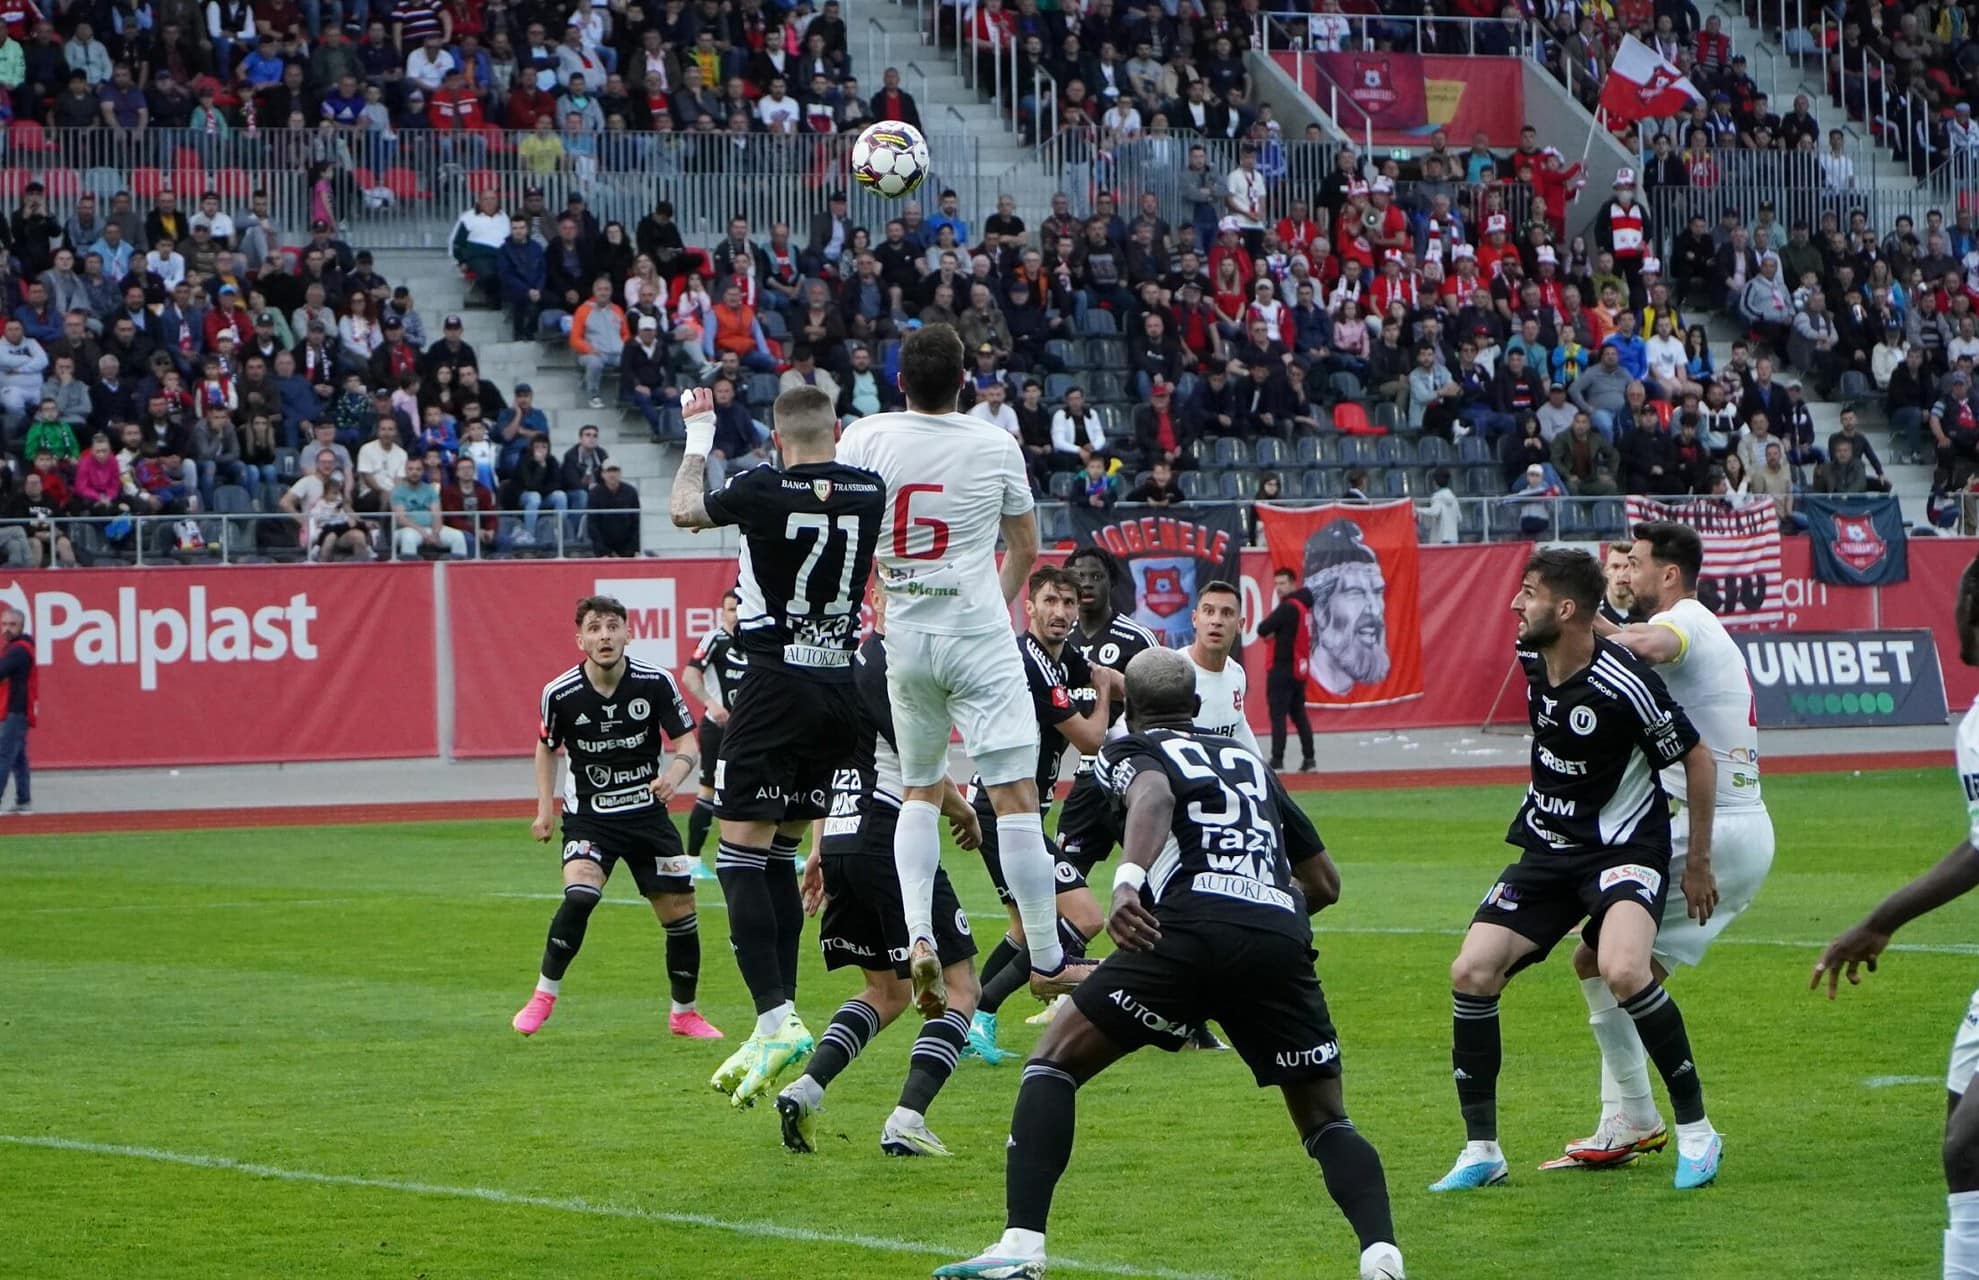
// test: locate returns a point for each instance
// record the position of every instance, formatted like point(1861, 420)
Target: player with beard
point(1706, 673)
point(1218, 874)
point(1955, 875)
point(1073, 704)
point(1594, 840)
point(1349, 609)
point(1220, 682)
point(1088, 826)
point(1288, 630)
point(1618, 601)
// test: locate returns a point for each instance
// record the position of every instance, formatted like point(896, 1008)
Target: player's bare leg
point(758, 871)
point(852, 1028)
point(1352, 1169)
point(1961, 1155)
point(1483, 966)
point(1629, 1124)
point(1627, 933)
point(1072, 1052)
point(583, 886)
point(1079, 921)
point(1031, 873)
point(683, 933)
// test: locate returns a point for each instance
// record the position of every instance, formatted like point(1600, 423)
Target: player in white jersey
point(1956, 874)
point(1705, 672)
point(954, 483)
point(1221, 688)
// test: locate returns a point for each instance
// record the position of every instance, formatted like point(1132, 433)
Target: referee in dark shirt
point(17, 716)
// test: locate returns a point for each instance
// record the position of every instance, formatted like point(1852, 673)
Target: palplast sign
point(230, 663)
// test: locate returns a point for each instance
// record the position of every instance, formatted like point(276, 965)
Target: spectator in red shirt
point(17, 710)
point(469, 506)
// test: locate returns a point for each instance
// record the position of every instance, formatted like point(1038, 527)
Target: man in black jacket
point(17, 707)
point(1288, 630)
point(1156, 357)
point(643, 378)
point(614, 514)
point(1160, 434)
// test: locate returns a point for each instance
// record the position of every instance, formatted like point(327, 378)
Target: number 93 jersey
point(1235, 835)
point(807, 551)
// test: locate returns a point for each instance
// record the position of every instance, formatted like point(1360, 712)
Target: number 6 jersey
point(1235, 835)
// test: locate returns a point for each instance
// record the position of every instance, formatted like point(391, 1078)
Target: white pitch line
point(1891, 1082)
point(567, 1204)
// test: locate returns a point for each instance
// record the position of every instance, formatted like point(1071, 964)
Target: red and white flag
point(1643, 83)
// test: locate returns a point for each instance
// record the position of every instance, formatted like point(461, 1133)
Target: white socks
point(1962, 1240)
point(548, 986)
point(902, 1118)
point(1624, 1065)
point(1475, 1152)
point(768, 1024)
point(916, 858)
point(689, 1007)
point(809, 1090)
point(1020, 1244)
point(1693, 1138)
point(1028, 870)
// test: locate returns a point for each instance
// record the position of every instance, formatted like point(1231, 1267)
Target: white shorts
point(1741, 854)
point(1965, 1050)
point(974, 683)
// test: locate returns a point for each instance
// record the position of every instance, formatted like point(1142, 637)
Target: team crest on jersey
point(1582, 720)
point(822, 488)
point(601, 776)
point(961, 922)
point(639, 709)
point(1162, 592)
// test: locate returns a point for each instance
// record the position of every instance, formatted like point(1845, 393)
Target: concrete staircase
point(438, 290)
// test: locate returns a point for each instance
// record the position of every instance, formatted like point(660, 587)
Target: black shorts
point(785, 737)
point(865, 922)
point(710, 735)
point(1088, 824)
point(1069, 876)
point(1542, 896)
point(650, 849)
point(1258, 984)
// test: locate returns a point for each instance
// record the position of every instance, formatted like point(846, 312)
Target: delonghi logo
point(649, 617)
point(189, 630)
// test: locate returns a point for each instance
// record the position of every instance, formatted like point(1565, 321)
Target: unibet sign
point(1844, 678)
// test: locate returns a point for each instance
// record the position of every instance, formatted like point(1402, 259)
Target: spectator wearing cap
point(644, 379)
point(393, 358)
point(452, 350)
point(1954, 424)
point(614, 508)
point(1161, 433)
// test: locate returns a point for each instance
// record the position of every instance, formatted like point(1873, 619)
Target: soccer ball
point(890, 158)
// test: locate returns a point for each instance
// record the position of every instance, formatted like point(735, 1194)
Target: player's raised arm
point(1657, 642)
point(1020, 552)
point(687, 505)
point(1955, 875)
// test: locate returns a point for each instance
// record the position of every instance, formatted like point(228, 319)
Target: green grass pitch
point(287, 1053)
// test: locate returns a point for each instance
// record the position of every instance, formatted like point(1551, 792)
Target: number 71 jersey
point(808, 534)
point(950, 481)
point(1235, 835)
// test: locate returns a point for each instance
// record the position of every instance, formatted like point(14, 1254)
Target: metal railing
point(1400, 33)
point(405, 189)
point(211, 537)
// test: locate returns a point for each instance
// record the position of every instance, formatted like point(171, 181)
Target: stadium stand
point(230, 326)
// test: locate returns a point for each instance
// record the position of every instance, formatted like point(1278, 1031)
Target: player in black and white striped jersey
point(1088, 826)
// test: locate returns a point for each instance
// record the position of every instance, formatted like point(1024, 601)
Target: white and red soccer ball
point(890, 158)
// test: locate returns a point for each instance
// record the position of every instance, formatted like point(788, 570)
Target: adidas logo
point(582, 718)
point(1460, 1074)
point(1685, 1068)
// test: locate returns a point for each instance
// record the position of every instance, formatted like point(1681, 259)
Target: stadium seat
point(189, 182)
point(1054, 523)
point(1106, 353)
point(1393, 451)
point(146, 183)
point(1359, 451)
point(1351, 419)
point(1323, 483)
point(1062, 483)
point(103, 182)
point(1232, 452)
point(28, 135)
point(1114, 421)
point(1099, 323)
point(62, 184)
point(1472, 449)
point(1395, 483)
point(1270, 453)
point(233, 184)
point(1608, 517)
point(1238, 486)
point(1575, 518)
point(479, 180)
point(1319, 451)
point(1201, 451)
point(1197, 486)
point(1055, 387)
point(760, 390)
point(1435, 451)
point(773, 324)
point(1071, 353)
point(288, 462)
point(406, 183)
point(1106, 388)
point(1345, 387)
point(1483, 482)
point(1387, 416)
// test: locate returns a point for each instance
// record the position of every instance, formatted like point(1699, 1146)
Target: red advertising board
point(1407, 97)
point(231, 664)
point(512, 631)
